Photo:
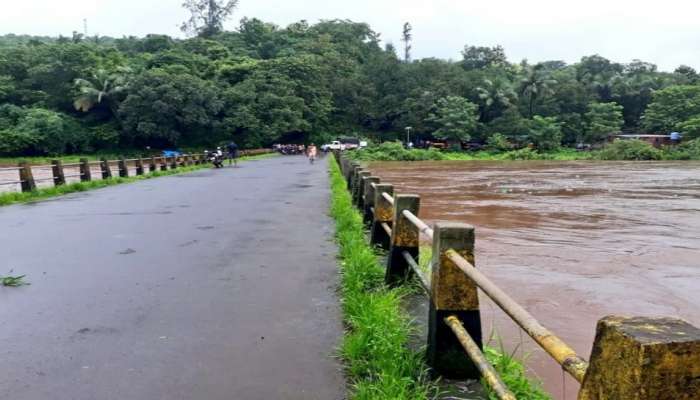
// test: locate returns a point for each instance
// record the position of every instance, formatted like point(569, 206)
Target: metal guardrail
point(396, 227)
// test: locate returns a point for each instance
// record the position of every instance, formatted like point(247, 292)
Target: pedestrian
point(232, 153)
point(312, 152)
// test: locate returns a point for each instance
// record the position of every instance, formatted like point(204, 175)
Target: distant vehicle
point(334, 145)
point(171, 153)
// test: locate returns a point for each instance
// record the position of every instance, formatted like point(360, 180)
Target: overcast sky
point(666, 33)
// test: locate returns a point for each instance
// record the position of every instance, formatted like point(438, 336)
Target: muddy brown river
point(570, 241)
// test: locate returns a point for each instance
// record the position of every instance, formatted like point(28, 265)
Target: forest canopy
point(263, 83)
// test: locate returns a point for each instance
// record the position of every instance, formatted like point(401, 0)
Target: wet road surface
point(571, 241)
point(218, 284)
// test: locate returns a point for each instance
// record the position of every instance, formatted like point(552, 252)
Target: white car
point(334, 145)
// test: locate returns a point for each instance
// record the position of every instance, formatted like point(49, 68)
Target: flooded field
point(571, 241)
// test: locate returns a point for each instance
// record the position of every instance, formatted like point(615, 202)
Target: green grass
point(13, 281)
point(379, 362)
point(45, 193)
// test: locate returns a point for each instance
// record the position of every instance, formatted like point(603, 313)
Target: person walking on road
point(232, 153)
point(312, 153)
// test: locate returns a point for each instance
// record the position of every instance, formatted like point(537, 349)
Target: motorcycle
point(216, 158)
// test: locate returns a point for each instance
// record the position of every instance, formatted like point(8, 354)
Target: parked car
point(334, 145)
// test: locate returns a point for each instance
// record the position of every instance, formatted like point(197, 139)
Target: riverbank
point(45, 193)
point(376, 348)
point(620, 150)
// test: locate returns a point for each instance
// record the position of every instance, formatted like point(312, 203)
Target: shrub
point(394, 151)
point(630, 150)
point(498, 142)
point(686, 151)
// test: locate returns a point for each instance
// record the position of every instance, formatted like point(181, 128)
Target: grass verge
point(45, 193)
point(375, 349)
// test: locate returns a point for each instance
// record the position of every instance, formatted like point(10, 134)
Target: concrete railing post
point(139, 166)
point(404, 237)
point(104, 167)
point(350, 172)
point(383, 213)
point(643, 359)
point(152, 165)
point(173, 162)
point(85, 173)
point(26, 177)
point(163, 163)
point(452, 293)
point(360, 188)
point(59, 178)
point(368, 198)
point(123, 169)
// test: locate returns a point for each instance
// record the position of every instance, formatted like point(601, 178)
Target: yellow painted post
point(105, 169)
point(452, 293)
point(59, 178)
point(350, 172)
point(383, 213)
point(637, 358)
point(26, 177)
point(85, 173)
point(369, 198)
point(359, 188)
point(404, 238)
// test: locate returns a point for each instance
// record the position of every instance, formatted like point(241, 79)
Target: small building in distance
point(654, 140)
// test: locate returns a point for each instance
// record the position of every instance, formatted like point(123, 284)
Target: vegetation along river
point(570, 241)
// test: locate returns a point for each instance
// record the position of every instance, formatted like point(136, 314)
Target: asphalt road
point(219, 284)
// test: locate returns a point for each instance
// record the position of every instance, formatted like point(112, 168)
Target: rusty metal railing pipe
point(487, 371)
point(422, 226)
point(422, 277)
point(555, 347)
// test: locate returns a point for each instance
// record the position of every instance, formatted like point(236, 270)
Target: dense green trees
point(263, 83)
point(455, 118)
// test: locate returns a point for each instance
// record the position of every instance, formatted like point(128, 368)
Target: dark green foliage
point(602, 119)
point(671, 107)
point(544, 132)
point(263, 83)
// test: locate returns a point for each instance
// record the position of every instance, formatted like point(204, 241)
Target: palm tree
point(102, 87)
point(536, 84)
point(495, 95)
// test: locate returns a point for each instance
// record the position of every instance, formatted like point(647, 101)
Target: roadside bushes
point(394, 151)
point(630, 150)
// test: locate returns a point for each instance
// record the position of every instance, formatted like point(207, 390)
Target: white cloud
point(664, 33)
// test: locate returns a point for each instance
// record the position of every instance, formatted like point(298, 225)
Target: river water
point(570, 241)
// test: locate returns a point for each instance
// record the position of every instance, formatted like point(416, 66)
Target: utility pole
point(85, 30)
point(408, 135)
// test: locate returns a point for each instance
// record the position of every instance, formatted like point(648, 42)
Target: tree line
point(263, 83)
